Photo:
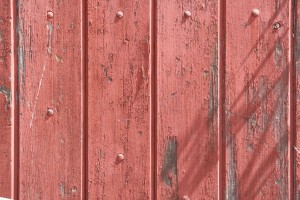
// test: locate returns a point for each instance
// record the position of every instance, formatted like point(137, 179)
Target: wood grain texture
point(187, 100)
point(5, 99)
point(257, 99)
point(49, 67)
point(149, 101)
point(119, 100)
point(297, 77)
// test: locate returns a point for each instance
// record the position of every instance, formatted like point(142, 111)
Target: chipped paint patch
point(139, 82)
point(281, 133)
point(263, 98)
point(169, 167)
point(278, 54)
point(7, 93)
point(21, 51)
point(100, 154)
point(1, 36)
point(232, 177)
point(232, 184)
point(105, 71)
point(30, 43)
point(62, 190)
point(50, 34)
point(59, 58)
point(74, 189)
point(213, 96)
point(3, 50)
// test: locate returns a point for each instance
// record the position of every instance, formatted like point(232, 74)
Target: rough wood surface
point(49, 68)
point(119, 100)
point(149, 99)
point(187, 99)
point(256, 113)
point(5, 99)
point(297, 77)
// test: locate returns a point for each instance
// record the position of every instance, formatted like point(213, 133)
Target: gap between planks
point(153, 100)
point(292, 102)
point(15, 103)
point(221, 97)
point(84, 100)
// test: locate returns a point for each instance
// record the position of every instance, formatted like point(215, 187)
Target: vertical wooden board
point(256, 112)
point(187, 99)
point(5, 99)
point(297, 77)
point(49, 67)
point(119, 100)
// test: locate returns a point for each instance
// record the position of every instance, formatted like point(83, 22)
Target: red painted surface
point(187, 99)
point(149, 99)
point(5, 99)
point(257, 100)
point(119, 99)
point(297, 88)
point(49, 67)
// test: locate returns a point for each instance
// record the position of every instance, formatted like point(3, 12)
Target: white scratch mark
point(62, 190)
point(50, 32)
point(37, 96)
point(297, 149)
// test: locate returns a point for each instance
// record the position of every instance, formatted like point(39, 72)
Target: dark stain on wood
point(232, 181)
point(21, 51)
point(7, 93)
point(169, 168)
point(281, 133)
point(213, 93)
point(106, 73)
point(278, 54)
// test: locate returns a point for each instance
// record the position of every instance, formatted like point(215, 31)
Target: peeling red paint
point(149, 99)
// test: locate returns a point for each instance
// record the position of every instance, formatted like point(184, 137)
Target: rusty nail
point(187, 13)
point(120, 14)
point(120, 157)
point(50, 112)
point(185, 198)
point(276, 25)
point(255, 12)
point(50, 14)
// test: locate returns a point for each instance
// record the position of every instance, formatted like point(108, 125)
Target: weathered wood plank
point(119, 99)
point(5, 99)
point(49, 67)
point(297, 77)
point(257, 99)
point(187, 99)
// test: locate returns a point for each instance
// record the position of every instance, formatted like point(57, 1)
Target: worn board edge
point(221, 99)
point(15, 102)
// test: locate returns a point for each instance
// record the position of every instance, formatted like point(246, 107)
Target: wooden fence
point(146, 99)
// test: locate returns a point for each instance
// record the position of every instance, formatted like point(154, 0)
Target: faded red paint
point(49, 65)
point(296, 96)
point(187, 100)
point(5, 100)
point(119, 74)
point(149, 99)
point(256, 103)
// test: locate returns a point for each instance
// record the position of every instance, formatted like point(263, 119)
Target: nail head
point(187, 13)
point(120, 14)
point(255, 12)
point(276, 25)
point(185, 198)
point(50, 14)
point(50, 112)
point(120, 157)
